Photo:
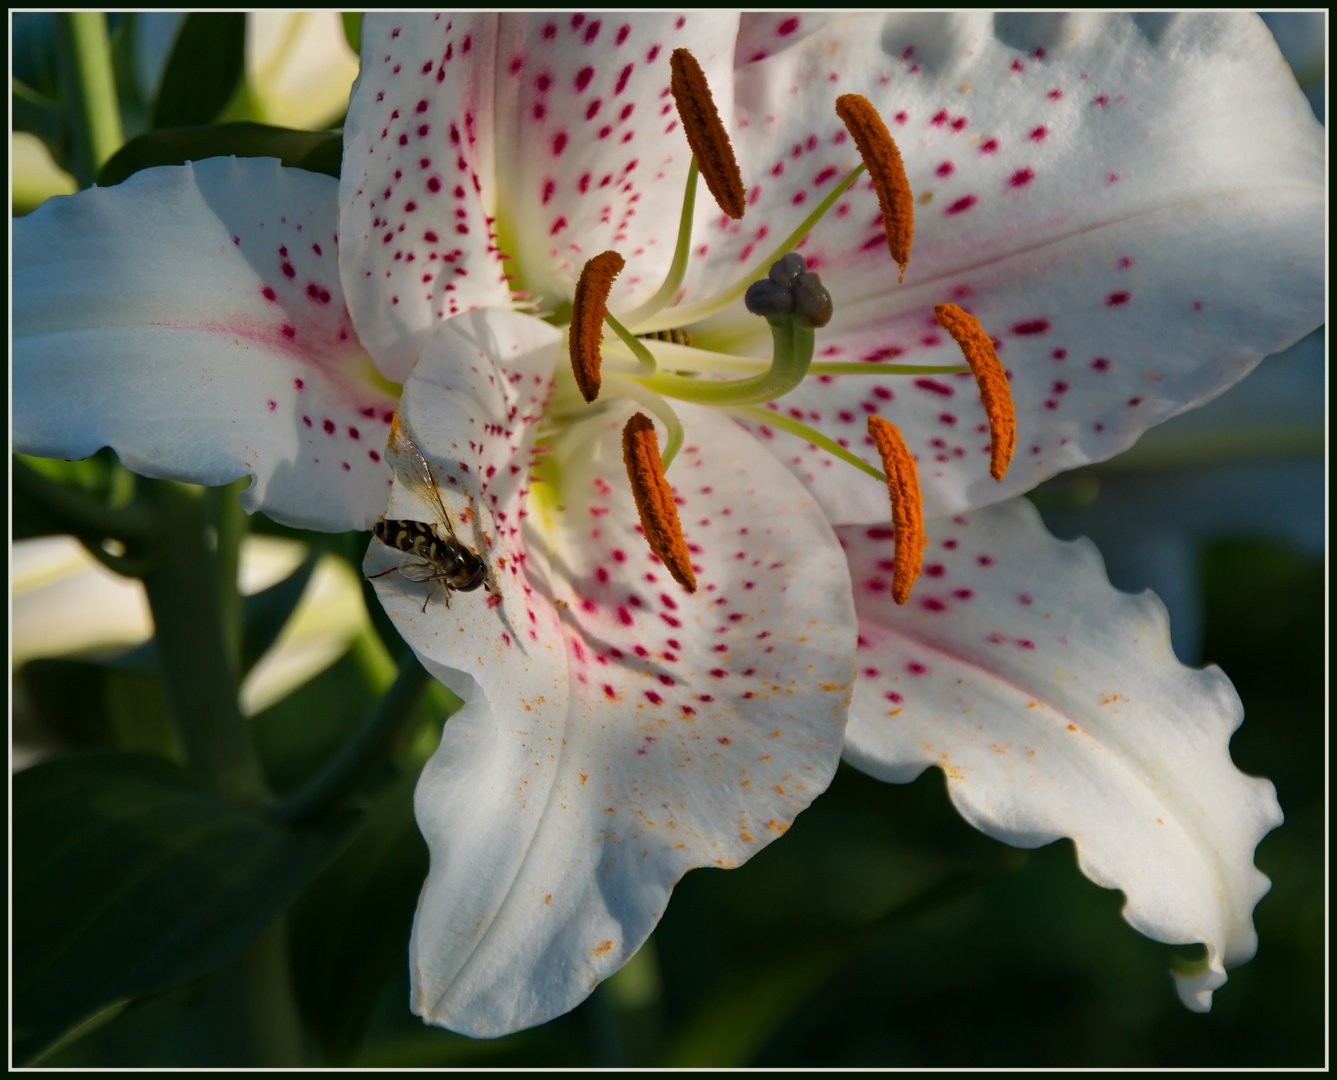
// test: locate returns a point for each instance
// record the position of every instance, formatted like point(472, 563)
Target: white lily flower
point(1129, 205)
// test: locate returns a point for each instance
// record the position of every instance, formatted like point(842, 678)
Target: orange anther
point(654, 499)
point(588, 309)
point(907, 506)
point(705, 133)
point(885, 169)
point(977, 347)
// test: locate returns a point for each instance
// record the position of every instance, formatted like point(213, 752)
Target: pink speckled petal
point(192, 319)
point(1131, 205)
point(590, 150)
point(1056, 708)
point(765, 33)
point(551, 137)
point(617, 731)
point(417, 199)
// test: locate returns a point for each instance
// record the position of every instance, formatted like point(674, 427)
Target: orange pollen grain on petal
point(588, 309)
point(977, 347)
point(705, 133)
point(654, 499)
point(907, 506)
point(885, 169)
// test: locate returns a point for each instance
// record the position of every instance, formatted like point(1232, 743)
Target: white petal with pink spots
point(192, 320)
point(617, 731)
point(1055, 707)
point(1131, 205)
point(551, 136)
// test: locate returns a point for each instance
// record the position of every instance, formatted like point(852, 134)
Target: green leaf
point(128, 879)
point(203, 71)
point(316, 151)
point(85, 704)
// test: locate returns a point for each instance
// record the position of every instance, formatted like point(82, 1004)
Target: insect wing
point(413, 470)
point(420, 570)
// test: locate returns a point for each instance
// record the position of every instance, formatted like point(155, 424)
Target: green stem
point(366, 750)
point(230, 525)
point(192, 650)
point(88, 88)
point(245, 1014)
point(790, 360)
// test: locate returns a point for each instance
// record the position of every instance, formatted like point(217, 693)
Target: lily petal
point(1141, 193)
point(1056, 707)
point(539, 135)
point(417, 238)
point(598, 158)
point(637, 731)
point(765, 33)
point(192, 320)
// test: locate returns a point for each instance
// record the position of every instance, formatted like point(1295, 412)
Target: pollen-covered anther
point(588, 308)
point(996, 395)
point(654, 499)
point(886, 170)
point(705, 133)
point(907, 506)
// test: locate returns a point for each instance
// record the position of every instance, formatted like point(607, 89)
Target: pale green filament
point(663, 411)
point(678, 268)
point(858, 368)
point(644, 357)
point(809, 434)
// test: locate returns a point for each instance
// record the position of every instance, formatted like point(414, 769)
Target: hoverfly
point(441, 559)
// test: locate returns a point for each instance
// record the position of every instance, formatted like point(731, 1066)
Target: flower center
point(641, 366)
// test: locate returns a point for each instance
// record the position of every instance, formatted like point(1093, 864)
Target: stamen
point(996, 395)
point(654, 499)
point(588, 309)
point(705, 133)
point(907, 506)
point(879, 152)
